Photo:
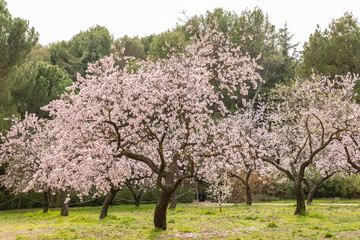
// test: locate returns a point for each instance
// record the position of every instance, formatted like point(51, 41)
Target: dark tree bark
point(248, 196)
point(64, 206)
point(46, 202)
point(19, 204)
point(137, 200)
point(173, 200)
point(310, 195)
point(108, 201)
point(300, 198)
point(248, 188)
point(165, 172)
point(160, 210)
point(353, 164)
point(200, 191)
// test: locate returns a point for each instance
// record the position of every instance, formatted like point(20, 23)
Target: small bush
point(250, 218)
point(208, 212)
point(272, 225)
point(328, 235)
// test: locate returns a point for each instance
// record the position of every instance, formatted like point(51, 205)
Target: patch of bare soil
point(350, 235)
point(208, 234)
point(8, 234)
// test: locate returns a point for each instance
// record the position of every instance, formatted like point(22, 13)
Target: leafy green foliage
point(16, 42)
point(127, 46)
point(334, 51)
point(49, 83)
point(132, 47)
point(162, 44)
point(74, 55)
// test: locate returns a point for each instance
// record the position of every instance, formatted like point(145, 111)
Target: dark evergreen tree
point(74, 55)
point(334, 51)
point(17, 39)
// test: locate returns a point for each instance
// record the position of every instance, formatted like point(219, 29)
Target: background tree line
point(32, 75)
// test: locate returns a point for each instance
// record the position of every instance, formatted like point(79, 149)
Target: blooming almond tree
point(22, 152)
point(309, 119)
point(240, 145)
point(159, 114)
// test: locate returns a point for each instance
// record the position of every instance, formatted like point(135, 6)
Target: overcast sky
point(57, 20)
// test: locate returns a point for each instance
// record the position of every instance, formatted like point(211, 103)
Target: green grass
point(188, 221)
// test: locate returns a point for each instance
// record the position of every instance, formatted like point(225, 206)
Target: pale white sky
point(58, 20)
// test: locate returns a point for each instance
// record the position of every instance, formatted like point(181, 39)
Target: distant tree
point(165, 43)
point(243, 145)
point(85, 47)
point(38, 82)
point(22, 154)
point(16, 42)
point(132, 47)
point(220, 188)
point(273, 46)
point(60, 56)
point(311, 120)
point(47, 85)
point(146, 42)
point(288, 58)
point(127, 46)
point(334, 51)
point(257, 36)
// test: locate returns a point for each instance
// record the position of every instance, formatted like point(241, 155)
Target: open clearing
point(188, 221)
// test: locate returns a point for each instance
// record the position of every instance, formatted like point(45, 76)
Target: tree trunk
point(19, 204)
point(173, 200)
point(201, 194)
point(160, 210)
point(137, 198)
point(107, 202)
point(248, 195)
point(310, 196)
point(300, 198)
point(137, 201)
point(46, 202)
point(64, 206)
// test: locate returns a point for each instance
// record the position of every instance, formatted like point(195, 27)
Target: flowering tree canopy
point(309, 119)
point(159, 114)
point(22, 150)
point(239, 145)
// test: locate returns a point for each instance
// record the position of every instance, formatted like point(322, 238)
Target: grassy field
point(188, 221)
